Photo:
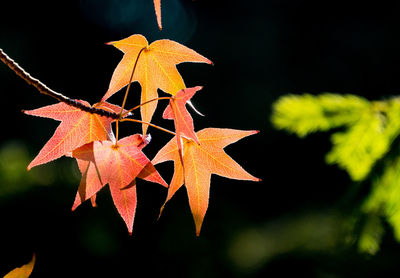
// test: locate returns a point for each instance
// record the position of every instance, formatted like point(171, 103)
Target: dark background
point(288, 224)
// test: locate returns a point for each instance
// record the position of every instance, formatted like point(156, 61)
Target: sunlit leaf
point(200, 161)
point(77, 128)
point(23, 271)
point(155, 68)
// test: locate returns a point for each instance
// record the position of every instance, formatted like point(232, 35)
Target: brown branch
point(43, 89)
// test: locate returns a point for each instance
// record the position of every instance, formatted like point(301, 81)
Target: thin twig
point(146, 123)
point(146, 102)
point(43, 89)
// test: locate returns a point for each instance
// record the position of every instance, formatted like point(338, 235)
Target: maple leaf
point(200, 162)
point(118, 165)
point(23, 271)
point(76, 129)
point(176, 110)
point(155, 68)
point(157, 7)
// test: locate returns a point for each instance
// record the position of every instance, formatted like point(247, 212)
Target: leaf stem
point(130, 81)
point(146, 123)
point(126, 95)
point(116, 131)
point(43, 89)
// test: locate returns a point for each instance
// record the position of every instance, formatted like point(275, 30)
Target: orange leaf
point(76, 129)
point(118, 165)
point(157, 7)
point(200, 162)
point(155, 68)
point(23, 271)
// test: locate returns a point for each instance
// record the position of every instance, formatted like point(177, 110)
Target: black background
point(261, 50)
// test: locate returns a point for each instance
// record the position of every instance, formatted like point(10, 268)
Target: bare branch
point(43, 89)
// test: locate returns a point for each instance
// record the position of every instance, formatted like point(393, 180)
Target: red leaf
point(176, 110)
point(118, 165)
point(77, 128)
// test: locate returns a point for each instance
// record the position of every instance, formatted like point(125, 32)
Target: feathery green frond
point(385, 196)
point(358, 148)
point(307, 113)
point(370, 127)
point(369, 130)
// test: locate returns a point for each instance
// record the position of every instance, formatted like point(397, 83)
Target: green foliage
point(365, 131)
point(14, 178)
point(307, 113)
point(368, 127)
point(384, 198)
point(357, 148)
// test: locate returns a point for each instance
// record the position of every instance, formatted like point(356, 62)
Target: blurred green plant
point(253, 247)
point(14, 178)
point(363, 133)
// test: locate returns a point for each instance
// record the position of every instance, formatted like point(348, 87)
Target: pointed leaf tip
point(23, 271)
point(161, 211)
point(157, 7)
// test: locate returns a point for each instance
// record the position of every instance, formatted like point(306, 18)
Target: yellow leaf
point(23, 271)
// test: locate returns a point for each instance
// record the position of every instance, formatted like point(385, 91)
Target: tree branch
point(43, 89)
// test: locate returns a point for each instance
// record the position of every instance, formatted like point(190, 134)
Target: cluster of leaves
point(363, 133)
point(86, 133)
point(103, 158)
